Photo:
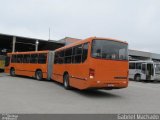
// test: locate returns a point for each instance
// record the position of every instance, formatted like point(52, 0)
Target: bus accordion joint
point(91, 73)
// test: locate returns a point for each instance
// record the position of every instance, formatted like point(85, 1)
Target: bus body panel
point(58, 72)
point(113, 73)
point(28, 69)
point(78, 74)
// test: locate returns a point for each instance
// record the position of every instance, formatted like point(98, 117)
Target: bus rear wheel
point(12, 72)
point(66, 82)
point(39, 75)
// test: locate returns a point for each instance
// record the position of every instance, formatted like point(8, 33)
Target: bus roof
point(87, 40)
point(29, 52)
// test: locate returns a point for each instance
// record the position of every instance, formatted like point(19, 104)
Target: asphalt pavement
point(27, 95)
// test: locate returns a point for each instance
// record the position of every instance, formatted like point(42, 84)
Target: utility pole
point(36, 45)
point(13, 44)
point(49, 33)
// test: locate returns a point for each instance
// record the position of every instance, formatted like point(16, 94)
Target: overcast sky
point(134, 21)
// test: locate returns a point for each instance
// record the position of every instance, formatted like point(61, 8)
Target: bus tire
point(12, 72)
point(66, 81)
point(137, 77)
point(39, 75)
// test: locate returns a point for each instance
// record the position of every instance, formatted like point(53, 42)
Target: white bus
point(144, 70)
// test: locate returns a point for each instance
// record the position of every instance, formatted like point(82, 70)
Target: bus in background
point(144, 70)
point(31, 64)
point(99, 63)
point(2, 62)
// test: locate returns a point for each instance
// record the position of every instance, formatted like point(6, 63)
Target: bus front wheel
point(39, 75)
point(66, 82)
point(12, 72)
point(137, 77)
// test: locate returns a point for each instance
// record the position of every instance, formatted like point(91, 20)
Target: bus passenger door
point(144, 71)
point(150, 71)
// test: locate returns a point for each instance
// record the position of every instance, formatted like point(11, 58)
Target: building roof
point(68, 40)
point(26, 43)
point(144, 54)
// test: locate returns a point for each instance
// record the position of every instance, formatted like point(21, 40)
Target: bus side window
point(42, 58)
point(68, 54)
point(19, 58)
point(78, 54)
point(34, 58)
point(73, 54)
point(132, 66)
point(56, 58)
point(26, 58)
point(7, 61)
point(61, 57)
point(85, 52)
point(138, 66)
point(14, 59)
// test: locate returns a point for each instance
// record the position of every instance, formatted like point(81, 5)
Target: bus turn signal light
point(91, 73)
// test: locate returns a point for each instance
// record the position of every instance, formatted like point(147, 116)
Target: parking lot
point(27, 95)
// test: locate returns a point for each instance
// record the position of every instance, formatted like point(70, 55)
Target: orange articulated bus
point(32, 64)
point(99, 63)
point(93, 63)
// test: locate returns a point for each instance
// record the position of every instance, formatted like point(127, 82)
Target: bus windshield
point(107, 49)
point(157, 68)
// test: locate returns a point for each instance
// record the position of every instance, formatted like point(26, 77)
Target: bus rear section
point(108, 64)
point(94, 63)
point(31, 64)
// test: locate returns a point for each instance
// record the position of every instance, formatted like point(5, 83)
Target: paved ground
point(26, 95)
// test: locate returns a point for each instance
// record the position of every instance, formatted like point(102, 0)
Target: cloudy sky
point(134, 21)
